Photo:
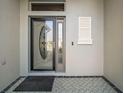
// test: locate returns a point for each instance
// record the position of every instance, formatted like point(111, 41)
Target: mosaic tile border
point(78, 76)
point(9, 86)
point(112, 85)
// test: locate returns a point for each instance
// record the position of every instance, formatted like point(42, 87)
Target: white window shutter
point(84, 30)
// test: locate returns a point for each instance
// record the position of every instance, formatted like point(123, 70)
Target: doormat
point(36, 83)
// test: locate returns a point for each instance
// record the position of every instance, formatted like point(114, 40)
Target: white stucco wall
point(9, 42)
point(80, 59)
point(113, 42)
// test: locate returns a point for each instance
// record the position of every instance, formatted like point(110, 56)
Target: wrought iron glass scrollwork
point(42, 43)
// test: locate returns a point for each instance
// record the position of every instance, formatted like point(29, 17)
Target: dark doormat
point(36, 83)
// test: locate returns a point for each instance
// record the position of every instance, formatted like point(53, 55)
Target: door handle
point(43, 43)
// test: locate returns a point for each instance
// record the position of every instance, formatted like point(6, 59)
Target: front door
point(46, 43)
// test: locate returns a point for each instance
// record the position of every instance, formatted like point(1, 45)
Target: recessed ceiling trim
point(46, 0)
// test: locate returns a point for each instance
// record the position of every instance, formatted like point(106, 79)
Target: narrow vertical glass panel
point(42, 45)
point(60, 42)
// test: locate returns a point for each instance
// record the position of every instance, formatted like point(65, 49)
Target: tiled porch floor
point(74, 85)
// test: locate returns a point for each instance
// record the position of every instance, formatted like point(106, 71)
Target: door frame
point(54, 49)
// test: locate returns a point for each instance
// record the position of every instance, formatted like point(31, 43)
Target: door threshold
point(42, 71)
point(45, 73)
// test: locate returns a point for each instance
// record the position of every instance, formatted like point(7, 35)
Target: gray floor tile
point(74, 85)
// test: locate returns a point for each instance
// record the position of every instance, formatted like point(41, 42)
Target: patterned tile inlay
point(75, 85)
point(82, 85)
